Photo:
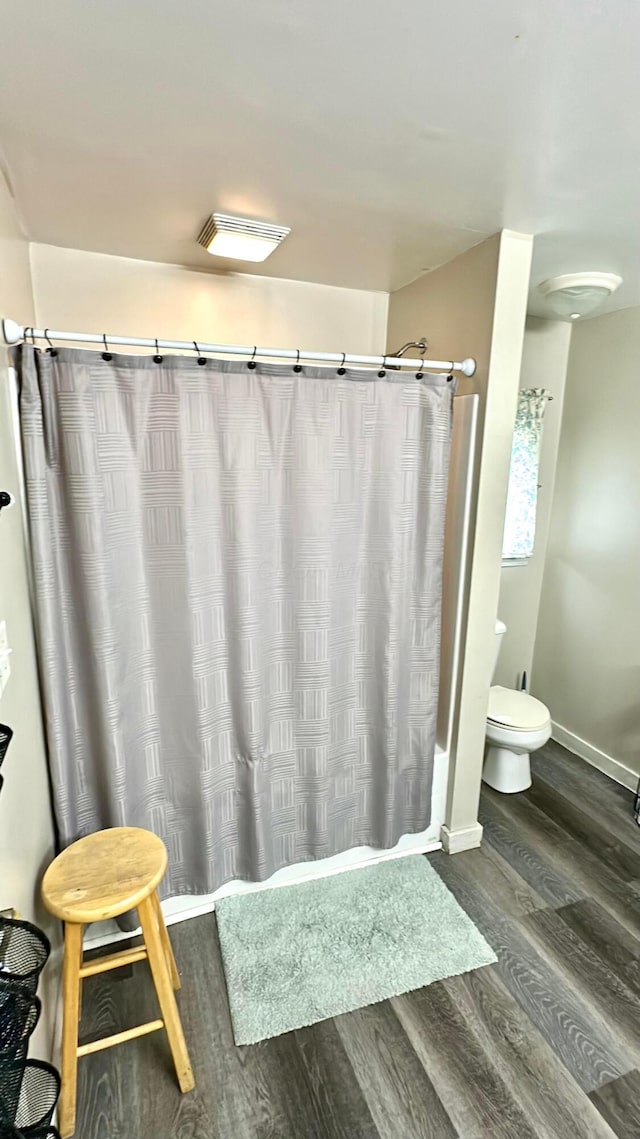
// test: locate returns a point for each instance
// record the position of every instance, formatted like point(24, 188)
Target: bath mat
point(299, 954)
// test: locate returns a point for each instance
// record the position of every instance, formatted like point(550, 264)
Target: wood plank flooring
point(545, 1043)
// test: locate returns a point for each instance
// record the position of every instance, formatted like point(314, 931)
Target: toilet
point(517, 724)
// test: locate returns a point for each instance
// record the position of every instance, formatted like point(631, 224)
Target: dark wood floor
point(544, 1043)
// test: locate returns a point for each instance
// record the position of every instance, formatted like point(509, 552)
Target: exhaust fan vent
point(241, 238)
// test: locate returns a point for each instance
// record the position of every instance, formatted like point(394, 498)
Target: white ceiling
point(389, 136)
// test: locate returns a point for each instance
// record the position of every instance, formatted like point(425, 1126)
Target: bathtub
point(185, 907)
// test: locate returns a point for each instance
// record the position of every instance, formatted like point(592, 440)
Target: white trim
point(466, 838)
point(599, 759)
point(457, 552)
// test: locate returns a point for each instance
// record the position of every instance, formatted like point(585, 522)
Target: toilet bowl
point(517, 724)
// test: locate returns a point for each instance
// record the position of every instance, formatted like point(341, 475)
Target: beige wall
point(475, 306)
point(93, 292)
point(587, 653)
point(544, 365)
point(26, 829)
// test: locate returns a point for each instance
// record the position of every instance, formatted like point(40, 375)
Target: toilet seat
point(516, 711)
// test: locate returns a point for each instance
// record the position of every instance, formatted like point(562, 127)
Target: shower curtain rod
point(16, 333)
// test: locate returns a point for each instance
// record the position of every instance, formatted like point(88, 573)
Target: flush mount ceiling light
point(578, 294)
point(241, 238)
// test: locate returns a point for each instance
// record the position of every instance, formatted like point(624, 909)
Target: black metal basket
point(11, 1076)
point(24, 950)
point(8, 1131)
point(5, 739)
point(38, 1098)
point(19, 1014)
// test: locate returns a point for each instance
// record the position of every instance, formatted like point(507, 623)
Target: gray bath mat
point(299, 954)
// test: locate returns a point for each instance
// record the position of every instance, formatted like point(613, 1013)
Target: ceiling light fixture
point(578, 294)
point(241, 238)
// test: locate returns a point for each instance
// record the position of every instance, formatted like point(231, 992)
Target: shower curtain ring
point(342, 371)
point(51, 350)
point(106, 355)
point(297, 367)
point(252, 362)
point(201, 359)
point(382, 373)
point(157, 359)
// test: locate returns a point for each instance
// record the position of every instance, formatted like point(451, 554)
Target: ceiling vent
point(241, 238)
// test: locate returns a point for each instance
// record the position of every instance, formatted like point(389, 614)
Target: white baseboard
point(599, 759)
point(466, 838)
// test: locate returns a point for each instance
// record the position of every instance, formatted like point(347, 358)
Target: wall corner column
point(462, 830)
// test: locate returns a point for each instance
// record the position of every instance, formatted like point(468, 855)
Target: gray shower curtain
point(238, 579)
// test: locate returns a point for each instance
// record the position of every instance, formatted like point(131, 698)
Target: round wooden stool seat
point(104, 875)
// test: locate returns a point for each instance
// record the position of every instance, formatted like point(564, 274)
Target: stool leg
point(70, 1010)
point(80, 964)
point(166, 999)
point(166, 942)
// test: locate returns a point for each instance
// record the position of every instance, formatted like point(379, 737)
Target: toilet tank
point(499, 632)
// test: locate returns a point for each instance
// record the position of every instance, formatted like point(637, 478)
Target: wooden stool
point(98, 877)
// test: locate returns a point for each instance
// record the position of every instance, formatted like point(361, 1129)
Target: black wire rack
point(29, 1089)
point(19, 1014)
point(6, 734)
point(8, 1131)
point(29, 1092)
point(24, 951)
point(39, 1093)
point(5, 739)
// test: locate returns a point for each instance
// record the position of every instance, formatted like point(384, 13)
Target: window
point(522, 496)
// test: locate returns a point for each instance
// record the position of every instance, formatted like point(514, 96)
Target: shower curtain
point(237, 580)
